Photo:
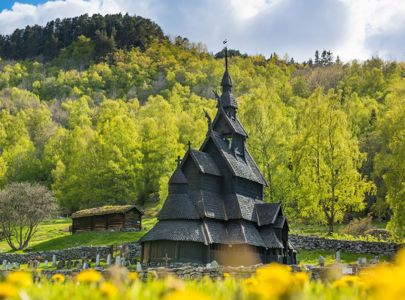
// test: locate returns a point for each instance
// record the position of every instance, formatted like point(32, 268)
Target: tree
point(390, 162)
point(327, 157)
point(22, 207)
point(269, 126)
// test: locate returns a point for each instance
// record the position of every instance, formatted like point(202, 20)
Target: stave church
point(215, 209)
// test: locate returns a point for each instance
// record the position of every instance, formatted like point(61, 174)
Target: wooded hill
point(328, 136)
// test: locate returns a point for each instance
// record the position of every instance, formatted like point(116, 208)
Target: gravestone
point(98, 260)
point(46, 263)
point(338, 256)
point(53, 261)
point(4, 264)
point(108, 260)
point(118, 260)
point(138, 267)
point(321, 261)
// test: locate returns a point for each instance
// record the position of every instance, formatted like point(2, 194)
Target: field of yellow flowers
point(384, 281)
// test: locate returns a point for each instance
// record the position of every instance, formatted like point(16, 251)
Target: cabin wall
point(132, 220)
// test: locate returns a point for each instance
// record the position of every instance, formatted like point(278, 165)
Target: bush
point(358, 227)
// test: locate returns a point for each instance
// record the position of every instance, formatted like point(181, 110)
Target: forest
point(100, 118)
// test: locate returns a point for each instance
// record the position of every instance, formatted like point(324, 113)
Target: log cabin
point(107, 218)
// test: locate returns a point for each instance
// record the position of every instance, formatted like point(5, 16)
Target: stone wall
point(318, 243)
point(66, 254)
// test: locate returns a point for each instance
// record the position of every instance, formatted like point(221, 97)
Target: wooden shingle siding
point(129, 219)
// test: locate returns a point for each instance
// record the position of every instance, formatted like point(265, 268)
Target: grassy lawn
point(312, 256)
point(321, 231)
point(54, 235)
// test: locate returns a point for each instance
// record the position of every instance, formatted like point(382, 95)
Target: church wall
point(192, 174)
point(226, 183)
point(248, 188)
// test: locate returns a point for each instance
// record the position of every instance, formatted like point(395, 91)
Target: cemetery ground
point(54, 235)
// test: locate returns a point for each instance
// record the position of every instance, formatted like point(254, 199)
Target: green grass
point(88, 239)
point(321, 231)
point(54, 235)
point(312, 256)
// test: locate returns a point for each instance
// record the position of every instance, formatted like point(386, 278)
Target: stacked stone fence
point(65, 254)
point(360, 247)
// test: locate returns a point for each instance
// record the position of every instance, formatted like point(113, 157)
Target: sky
point(352, 29)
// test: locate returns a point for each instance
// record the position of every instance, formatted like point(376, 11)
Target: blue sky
point(352, 29)
point(9, 3)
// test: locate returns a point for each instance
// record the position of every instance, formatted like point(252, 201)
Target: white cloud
point(350, 28)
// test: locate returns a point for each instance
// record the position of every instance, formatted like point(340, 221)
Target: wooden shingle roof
point(103, 210)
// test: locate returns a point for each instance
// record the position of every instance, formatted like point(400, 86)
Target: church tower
point(215, 208)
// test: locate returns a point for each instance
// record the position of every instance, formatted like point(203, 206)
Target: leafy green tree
point(391, 161)
point(270, 126)
point(327, 160)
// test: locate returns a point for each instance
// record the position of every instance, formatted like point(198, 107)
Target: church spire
point(226, 79)
point(227, 101)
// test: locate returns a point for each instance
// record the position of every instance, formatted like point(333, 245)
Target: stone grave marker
point(98, 260)
point(321, 261)
point(138, 267)
point(4, 264)
point(46, 263)
point(118, 260)
point(53, 261)
point(338, 256)
point(108, 260)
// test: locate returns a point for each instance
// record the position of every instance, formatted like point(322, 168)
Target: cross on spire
point(189, 145)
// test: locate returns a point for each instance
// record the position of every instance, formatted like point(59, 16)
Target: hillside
point(100, 131)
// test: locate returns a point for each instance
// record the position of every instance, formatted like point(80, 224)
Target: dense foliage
point(107, 33)
point(328, 137)
point(270, 282)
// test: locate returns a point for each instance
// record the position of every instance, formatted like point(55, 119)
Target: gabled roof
point(178, 206)
point(176, 230)
point(244, 168)
point(267, 212)
point(104, 210)
point(209, 204)
point(233, 123)
point(204, 162)
point(178, 177)
point(242, 232)
point(241, 207)
point(270, 238)
point(280, 221)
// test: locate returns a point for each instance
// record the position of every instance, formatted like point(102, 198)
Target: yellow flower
point(186, 295)
point(227, 275)
point(132, 276)
point(88, 276)
point(273, 281)
point(20, 278)
point(109, 290)
point(8, 290)
point(58, 278)
point(300, 279)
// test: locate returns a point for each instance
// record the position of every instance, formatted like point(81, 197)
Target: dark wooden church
point(215, 209)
